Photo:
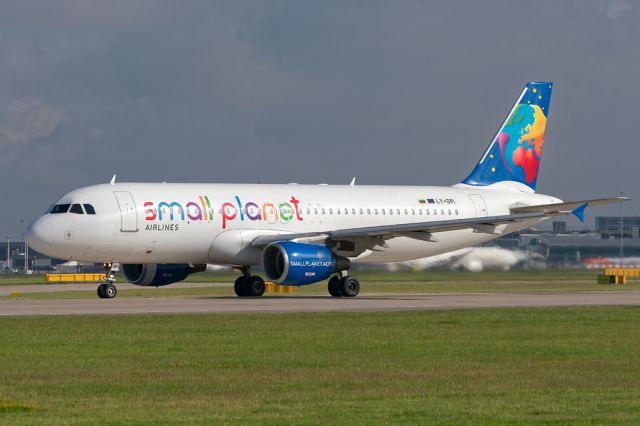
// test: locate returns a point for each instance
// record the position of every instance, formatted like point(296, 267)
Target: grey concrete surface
point(313, 304)
point(6, 290)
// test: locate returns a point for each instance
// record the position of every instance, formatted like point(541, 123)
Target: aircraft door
point(128, 214)
point(479, 204)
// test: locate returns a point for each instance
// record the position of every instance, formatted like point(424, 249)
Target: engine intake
point(292, 263)
point(152, 274)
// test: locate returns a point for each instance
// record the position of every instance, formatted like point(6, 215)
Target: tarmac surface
point(289, 304)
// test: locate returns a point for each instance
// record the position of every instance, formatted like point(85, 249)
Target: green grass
point(487, 366)
point(377, 276)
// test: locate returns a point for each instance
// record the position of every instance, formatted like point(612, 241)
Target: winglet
point(113, 180)
point(579, 212)
point(353, 181)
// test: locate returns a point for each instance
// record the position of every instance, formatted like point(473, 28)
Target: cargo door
point(479, 204)
point(128, 215)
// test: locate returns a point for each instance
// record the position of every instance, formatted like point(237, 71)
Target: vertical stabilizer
point(515, 152)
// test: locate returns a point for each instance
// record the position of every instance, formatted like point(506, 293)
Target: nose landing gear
point(107, 290)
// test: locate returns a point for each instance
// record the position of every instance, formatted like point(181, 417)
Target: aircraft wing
point(419, 230)
point(425, 230)
point(575, 207)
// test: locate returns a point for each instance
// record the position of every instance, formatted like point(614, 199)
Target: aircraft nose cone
point(39, 235)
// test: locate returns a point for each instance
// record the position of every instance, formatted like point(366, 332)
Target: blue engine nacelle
point(157, 275)
point(291, 263)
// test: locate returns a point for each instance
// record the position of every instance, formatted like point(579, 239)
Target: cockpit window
point(89, 209)
point(76, 208)
point(60, 208)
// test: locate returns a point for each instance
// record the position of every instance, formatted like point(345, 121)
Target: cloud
point(28, 117)
point(286, 91)
point(614, 9)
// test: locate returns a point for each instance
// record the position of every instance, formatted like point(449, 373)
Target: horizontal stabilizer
point(575, 207)
point(579, 212)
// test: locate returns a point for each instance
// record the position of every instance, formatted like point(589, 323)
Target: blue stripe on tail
point(515, 152)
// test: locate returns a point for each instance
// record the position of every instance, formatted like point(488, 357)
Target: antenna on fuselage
point(353, 181)
point(113, 180)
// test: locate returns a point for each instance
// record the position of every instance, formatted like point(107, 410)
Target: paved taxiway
point(6, 290)
point(395, 302)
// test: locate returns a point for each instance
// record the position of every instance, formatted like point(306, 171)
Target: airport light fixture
point(622, 194)
point(25, 247)
point(8, 249)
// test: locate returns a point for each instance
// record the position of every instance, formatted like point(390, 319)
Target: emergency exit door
point(479, 204)
point(128, 215)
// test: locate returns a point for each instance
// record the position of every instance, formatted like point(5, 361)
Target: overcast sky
point(393, 92)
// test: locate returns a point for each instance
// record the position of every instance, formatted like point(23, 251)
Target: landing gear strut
point(107, 290)
point(344, 285)
point(249, 285)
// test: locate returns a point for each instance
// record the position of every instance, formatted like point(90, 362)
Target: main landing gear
point(107, 290)
point(249, 285)
point(344, 285)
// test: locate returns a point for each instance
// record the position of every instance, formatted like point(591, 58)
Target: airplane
point(303, 234)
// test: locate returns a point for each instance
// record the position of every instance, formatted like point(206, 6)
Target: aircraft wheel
point(349, 286)
point(100, 291)
point(110, 291)
point(254, 286)
point(238, 286)
point(334, 286)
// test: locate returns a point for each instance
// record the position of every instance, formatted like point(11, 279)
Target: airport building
point(610, 226)
point(561, 247)
point(557, 244)
point(12, 258)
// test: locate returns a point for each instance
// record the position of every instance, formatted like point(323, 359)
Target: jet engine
point(153, 274)
point(292, 263)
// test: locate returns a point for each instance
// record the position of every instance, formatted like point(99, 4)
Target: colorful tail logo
point(515, 152)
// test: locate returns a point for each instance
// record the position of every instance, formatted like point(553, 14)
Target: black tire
point(349, 286)
point(238, 286)
point(110, 291)
point(334, 287)
point(100, 291)
point(254, 286)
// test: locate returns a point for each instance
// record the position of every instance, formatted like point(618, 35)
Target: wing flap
point(422, 229)
point(567, 207)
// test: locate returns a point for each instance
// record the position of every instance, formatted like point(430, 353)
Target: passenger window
point(442, 212)
point(60, 208)
point(456, 212)
point(330, 211)
point(337, 211)
point(353, 211)
point(398, 211)
point(361, 211)
point(375, 211)
point(384, 212)
point(76, 208)
point(435, 212)
point(449, 212)
point(390, 212)
point(413, 212)
point(323, 211)
point(420, 212)
point(315, 211)
point(368, 211)
point(427, 212)
point(406, 212)
point(346, 211)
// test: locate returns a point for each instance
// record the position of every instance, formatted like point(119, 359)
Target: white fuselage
point(215, 223)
